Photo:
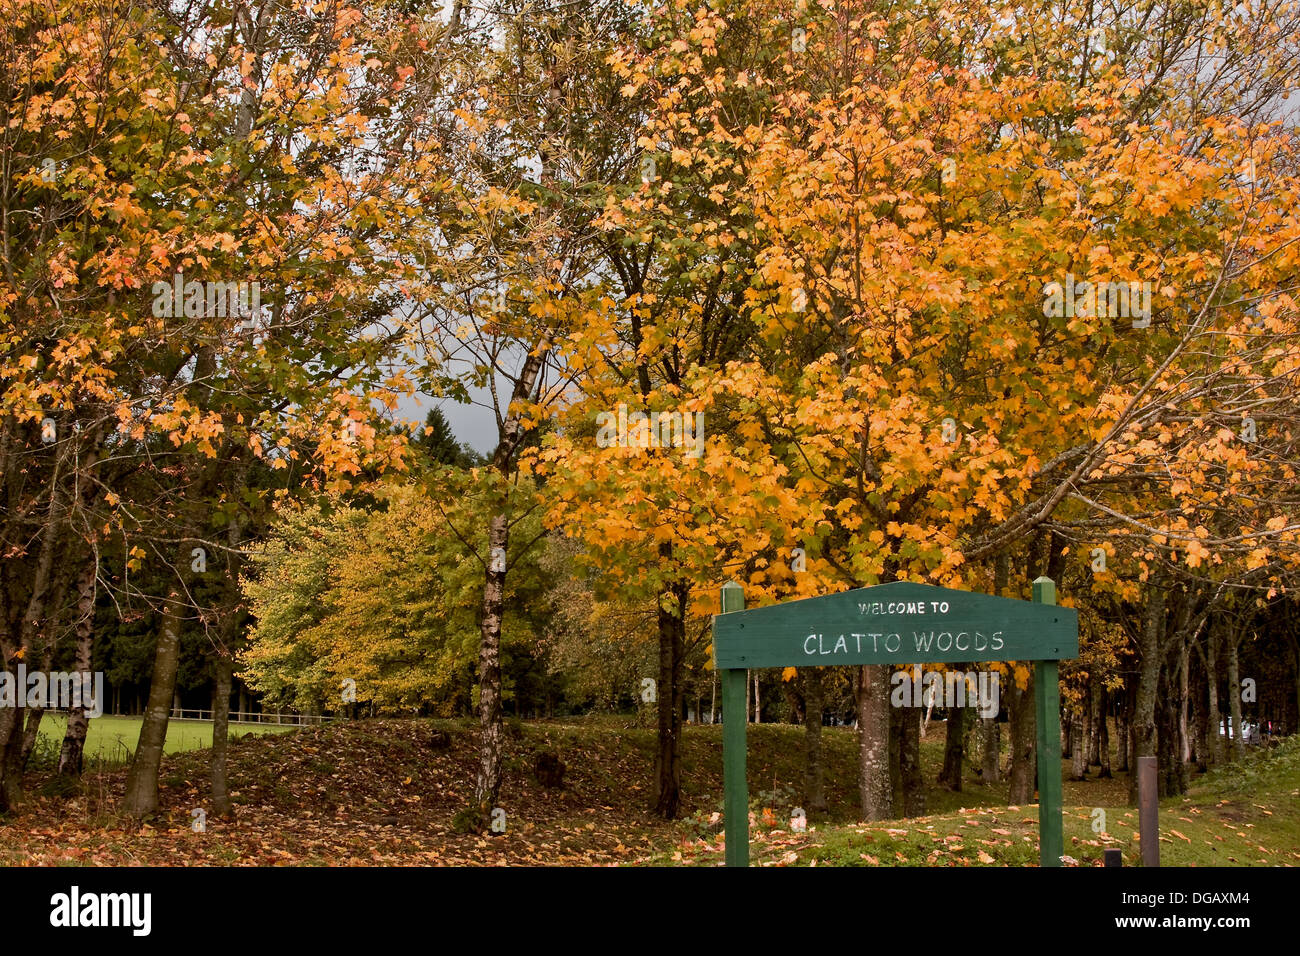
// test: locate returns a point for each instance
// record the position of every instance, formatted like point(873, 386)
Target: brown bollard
point(1148, 811)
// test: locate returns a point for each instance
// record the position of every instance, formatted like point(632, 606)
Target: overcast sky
point(473, 425)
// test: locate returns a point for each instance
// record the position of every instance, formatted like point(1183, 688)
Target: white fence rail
point(289, 720)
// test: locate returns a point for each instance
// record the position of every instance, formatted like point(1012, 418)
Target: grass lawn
point(111, 740)
point(1237, 815)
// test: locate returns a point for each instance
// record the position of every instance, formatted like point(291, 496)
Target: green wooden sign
point(896, 623)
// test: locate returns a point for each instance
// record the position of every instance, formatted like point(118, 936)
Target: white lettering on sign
point(817, 645)
point(904, 607)
point(964, 640)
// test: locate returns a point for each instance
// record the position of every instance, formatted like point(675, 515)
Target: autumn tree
point(921, 396)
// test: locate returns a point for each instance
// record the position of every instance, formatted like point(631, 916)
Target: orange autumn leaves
point(904, 393)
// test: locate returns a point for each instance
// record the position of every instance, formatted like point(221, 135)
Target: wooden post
point(1047, 700)
point(1148, 811)
point(1113, 857)
point(735, 788)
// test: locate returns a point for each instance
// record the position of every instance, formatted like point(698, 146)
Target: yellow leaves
point(1020, 673)
point(135, 555)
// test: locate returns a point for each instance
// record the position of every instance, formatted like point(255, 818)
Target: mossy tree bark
point(874, 785)
point(142, 779)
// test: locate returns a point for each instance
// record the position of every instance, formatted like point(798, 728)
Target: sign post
point(735, 788)
point(896, 623)
point(1047, 704)
point(1148, 811)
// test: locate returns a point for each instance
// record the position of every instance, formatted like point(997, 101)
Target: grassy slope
point(375, 792)
point(1243, 814)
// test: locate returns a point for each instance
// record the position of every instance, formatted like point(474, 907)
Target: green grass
point(111, 741)
point(1238, 815)
point(1241, 814)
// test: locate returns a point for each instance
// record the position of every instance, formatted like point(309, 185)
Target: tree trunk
point(11, 746)
point(1132, 736)
point(142, 779)
point(71, 756)
point(1122, 727)
point(909, 762)
point(713, 701)
point(1295, 648)
point(873, 742)
point(222, 668)
point(814, 788)
point(758, 702)
point(1213, 644)
point(1202, 720)
point(1023, 724)
point(33, 619)
point(35, 714)
point(1184, 699)
point(1144, 714)
point(1020, 709)
point(487, 787)
point(1078, 749)
point(1103, 735)
point(1067, 733)
point(1173, 767)
point(990, 748)
point(895, 771)
point(1234, 693)
point(793, 693)
point(1091, 732)
point(510, 432)
point(668, 758)
point(953, 751)
point(33, 727)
